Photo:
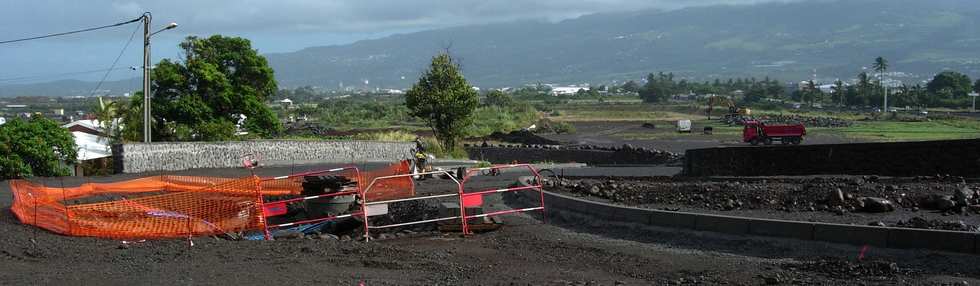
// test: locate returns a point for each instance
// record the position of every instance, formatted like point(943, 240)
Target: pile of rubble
point(588, 154)
point(918, 222)
point(838, 195)
point(524, 137)
point(808, 121)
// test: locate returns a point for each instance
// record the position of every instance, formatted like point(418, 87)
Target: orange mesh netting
point(164, 208)
point(389, 188)
point(170, 206)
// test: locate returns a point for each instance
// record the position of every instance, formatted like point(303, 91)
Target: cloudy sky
point(273, 26)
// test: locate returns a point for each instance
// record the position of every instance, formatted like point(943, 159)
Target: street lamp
point(147, 18)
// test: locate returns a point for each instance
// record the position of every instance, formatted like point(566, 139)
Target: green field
point(908, 131)
point(863, 129)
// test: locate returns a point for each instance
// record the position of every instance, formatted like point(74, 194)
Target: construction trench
point(598, 229)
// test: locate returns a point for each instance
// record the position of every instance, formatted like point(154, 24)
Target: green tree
point(107, 113)
point(658, 88)
point(839, 92)
point(443, 100)
point(948, 85)
point(219, 78)
point(35, 147)
point(631, 86)
point(498, 98)
point(881, 66)
point(864, 89)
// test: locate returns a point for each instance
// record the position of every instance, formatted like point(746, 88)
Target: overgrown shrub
point(396, 135)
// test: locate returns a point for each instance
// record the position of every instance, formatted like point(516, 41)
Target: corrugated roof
point(91, 146)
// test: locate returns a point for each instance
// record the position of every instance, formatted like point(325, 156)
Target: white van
point(684, 125)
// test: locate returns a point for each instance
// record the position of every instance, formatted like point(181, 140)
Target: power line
point(71, 32)
point(106, 75)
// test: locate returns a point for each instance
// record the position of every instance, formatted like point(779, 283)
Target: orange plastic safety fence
point(389, 189)
point(171, 206)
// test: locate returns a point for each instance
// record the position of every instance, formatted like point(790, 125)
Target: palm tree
point(881, 66)
point(864, 84)
point(107, 113)
point(839, 91)
point(812, 91)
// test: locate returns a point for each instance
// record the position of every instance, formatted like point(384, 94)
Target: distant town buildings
point(566, 90)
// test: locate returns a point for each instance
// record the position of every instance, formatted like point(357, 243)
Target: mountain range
point(787, 41)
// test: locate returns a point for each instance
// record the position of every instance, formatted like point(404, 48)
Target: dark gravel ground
point(568, 251)
point(913, 201)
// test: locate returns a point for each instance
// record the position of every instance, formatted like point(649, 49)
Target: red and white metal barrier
point(271, 209)
point(381, 207)
point(476, 198)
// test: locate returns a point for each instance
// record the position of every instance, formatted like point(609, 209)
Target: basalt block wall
point(175, 156)
point(950, 157)
point(505, 155)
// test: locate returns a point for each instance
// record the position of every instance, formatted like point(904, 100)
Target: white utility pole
point(147, 18)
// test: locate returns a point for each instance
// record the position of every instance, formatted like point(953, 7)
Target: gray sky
point(273, 26)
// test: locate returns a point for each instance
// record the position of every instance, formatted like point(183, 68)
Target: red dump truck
point(756, 132)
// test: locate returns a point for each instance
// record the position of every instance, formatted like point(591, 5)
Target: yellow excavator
point(733, 110)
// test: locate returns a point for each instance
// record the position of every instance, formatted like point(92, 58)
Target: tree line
point(945, 89)
point(662, 86)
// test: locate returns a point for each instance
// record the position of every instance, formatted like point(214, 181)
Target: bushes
point(487, 120)
point(354, 114)
point(562, 127)
point(386, 136)
point(35, 147)
point(433, 147)
point(546, 125)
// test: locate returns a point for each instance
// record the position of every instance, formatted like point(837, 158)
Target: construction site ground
point(526, 251)
point(664, 136)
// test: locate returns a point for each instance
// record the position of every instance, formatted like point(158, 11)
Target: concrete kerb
point(782, 228)
point(720, 223)
point(851, 234)
point(953, 241)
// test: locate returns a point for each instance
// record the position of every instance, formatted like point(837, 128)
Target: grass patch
point(909, 131)
point(618, 112)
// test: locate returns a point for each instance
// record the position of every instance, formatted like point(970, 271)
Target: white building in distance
point(566, 90)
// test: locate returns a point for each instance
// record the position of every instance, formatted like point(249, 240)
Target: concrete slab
point(851, 234)
point(955, 241)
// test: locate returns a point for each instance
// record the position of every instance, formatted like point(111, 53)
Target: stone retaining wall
point(951, 157)
point(890, 237)
point(174, 156)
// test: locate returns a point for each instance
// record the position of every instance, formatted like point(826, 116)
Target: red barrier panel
point(280, 207)
point(476, 198)
point(381, 205)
